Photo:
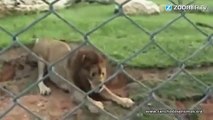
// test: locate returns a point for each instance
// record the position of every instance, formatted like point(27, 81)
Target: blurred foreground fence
point(152, 41)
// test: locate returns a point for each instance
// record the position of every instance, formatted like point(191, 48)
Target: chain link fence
point(152, 41)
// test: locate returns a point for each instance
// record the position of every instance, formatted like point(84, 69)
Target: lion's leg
point(125, 102)
point(44, 90)
point(79, 97)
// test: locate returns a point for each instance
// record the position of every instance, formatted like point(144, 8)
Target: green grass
point(178, 88)
point(183, 88)
point(120, 38)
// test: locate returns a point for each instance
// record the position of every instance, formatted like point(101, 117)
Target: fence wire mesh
point(152, 41)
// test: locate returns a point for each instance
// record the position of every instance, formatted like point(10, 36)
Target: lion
point(85, 68)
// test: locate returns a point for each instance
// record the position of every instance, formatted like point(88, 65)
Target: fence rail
point(152, 41)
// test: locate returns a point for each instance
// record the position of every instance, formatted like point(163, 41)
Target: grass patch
point(183, 86)
point(119, 38)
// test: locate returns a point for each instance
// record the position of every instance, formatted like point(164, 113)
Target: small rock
point(40, 104)
point(139, 7)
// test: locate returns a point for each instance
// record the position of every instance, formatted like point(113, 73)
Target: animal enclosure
point(166, 59)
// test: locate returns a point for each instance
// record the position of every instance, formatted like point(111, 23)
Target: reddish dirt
point(207, 107)
point(49, 107)
point(15, 79)
point(208, 112)
point(7, 72)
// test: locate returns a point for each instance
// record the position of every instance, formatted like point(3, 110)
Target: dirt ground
point(16, 74)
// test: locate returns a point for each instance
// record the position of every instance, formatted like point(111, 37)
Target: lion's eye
point(93, 74)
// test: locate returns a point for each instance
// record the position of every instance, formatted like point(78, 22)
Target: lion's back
point(51, 50)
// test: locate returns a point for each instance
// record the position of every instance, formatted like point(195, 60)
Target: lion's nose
point(101, 76)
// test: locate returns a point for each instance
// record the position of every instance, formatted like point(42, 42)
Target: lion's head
point(88, 69)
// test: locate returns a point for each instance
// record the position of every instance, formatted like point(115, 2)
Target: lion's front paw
point(127, 102)
point(44, 90)
point(95, 109)
point(99, 104)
